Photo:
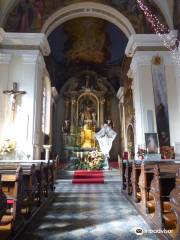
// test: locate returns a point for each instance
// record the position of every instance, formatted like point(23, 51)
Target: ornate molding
point(144, 42)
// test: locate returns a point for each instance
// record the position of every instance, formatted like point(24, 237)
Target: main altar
point(86, 98)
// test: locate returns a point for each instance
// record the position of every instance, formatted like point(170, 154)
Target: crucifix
point(13, 94)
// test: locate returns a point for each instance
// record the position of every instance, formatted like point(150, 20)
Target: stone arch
point(88, 9)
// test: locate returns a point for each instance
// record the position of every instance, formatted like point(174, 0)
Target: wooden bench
point(11, 180)
point(127, 183)
point(160, 208)
point(3, 202)
point(175, 205)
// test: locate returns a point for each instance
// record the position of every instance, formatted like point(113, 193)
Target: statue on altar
point(87, 137)
point(105, 139)
point(87, 113)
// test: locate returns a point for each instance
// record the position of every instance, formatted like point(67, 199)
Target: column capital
point(144, 42)
point(27, 41)
point(102, 101)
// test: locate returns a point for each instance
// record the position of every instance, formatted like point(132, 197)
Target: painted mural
point(29, 15)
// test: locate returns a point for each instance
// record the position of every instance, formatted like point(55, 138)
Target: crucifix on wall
point(13, 97)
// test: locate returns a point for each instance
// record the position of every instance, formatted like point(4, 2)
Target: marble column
point(120, 96)
point(102, 101)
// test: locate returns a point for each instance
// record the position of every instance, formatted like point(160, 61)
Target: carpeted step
point(86, 176)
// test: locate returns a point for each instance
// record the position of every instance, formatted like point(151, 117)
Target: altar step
point(88, 177)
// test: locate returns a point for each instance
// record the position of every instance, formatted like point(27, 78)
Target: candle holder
point(47, 149)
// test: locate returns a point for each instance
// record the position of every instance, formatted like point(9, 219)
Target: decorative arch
point(88, 9)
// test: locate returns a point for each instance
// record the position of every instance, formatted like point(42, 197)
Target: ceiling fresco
point(29, 15)
point(87, 40)
point(86, 43)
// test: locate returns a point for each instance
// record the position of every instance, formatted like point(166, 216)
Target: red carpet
point(114, 165)
point(88, 177)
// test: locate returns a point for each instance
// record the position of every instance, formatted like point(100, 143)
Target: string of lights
point(170, 41)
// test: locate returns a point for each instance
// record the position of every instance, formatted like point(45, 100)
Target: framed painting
point(152, 144)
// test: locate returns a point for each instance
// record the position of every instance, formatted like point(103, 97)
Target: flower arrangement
point(141, 153)
point(167, 152)
point(92, 161)
point(6, 147)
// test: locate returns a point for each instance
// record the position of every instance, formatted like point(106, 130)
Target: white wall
point(27, 68)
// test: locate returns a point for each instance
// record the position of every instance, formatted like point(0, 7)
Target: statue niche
point(87, 111)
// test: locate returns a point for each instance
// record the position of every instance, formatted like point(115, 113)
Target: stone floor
point(87, 212)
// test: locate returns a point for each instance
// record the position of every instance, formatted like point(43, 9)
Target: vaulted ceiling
point(167, 7)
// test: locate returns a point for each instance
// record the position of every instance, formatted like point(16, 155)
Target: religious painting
point(151, 140)
point(160, 100)
point(87, 110)
point(28, 16)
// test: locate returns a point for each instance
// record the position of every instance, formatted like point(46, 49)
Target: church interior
point(89, 119)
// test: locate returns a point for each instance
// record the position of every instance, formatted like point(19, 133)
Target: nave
point(87, 212)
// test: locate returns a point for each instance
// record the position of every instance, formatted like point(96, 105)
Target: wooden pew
point(127, 183)
point(136, 170)
point(175, 204)
point(48, 175)
point(144, 182)
point(11, 180)
point(25, 184)
point(123, 179)
point(162, 184)
point(156, 179)
point(45, 176)
point(3, 202)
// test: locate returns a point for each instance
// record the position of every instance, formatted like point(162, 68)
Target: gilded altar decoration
point(88, 137)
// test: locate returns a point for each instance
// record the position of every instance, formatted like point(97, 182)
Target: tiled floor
point(87, 212)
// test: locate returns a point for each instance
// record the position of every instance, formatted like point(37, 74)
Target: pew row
point(149, 190)
point(26, 185)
